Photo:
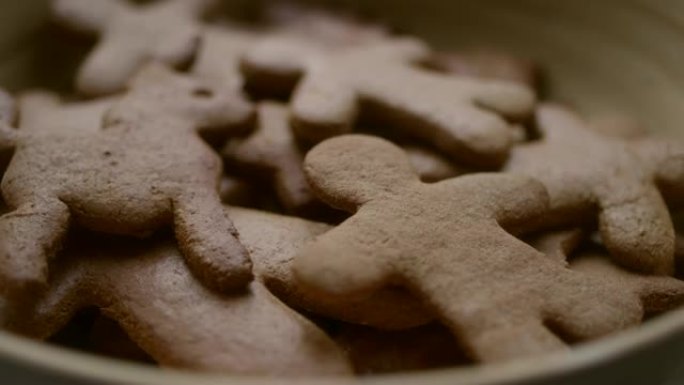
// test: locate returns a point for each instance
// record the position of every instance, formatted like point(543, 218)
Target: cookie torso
point(98, 174)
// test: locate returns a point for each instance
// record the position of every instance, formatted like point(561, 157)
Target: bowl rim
point(91, 368)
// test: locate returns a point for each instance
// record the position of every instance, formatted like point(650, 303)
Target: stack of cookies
point(316, 195)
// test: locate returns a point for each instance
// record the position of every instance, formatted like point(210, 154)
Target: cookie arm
point(110, 65)
point(637, 229)
point(31, 235)
point(658, 294)
point(344, 262)
point(86, 16)
point(178, 46)
point(511, 100)
point(209, 241)
point(516, 202)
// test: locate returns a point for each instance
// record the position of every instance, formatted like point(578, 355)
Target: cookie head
point(341, 167)
point(208, 106)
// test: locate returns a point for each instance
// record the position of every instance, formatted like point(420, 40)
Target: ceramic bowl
point(616, 55)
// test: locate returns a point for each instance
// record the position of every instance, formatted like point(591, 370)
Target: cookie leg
point(506, 341)
point(494, 322)
point(596, 310)
point(209, 241)
point(490, 335)
point(31, 235)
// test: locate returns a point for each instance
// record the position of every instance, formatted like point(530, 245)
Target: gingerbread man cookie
point(144, 169)
point(130, 36)
point(448, 243)
point(589, 174)
point(149, 291)
point(455, 114)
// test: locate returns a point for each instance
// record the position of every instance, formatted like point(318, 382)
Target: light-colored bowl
point(600, 55)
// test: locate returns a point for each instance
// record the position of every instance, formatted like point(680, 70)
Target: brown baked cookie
point(657, 294)
point(457, 115)
point(449, 244)
point(487, 64)
point(589, 174)
point(273, 241)
point(146, 168)
point(375, 352)
point(130, 36)
point(149, 291)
